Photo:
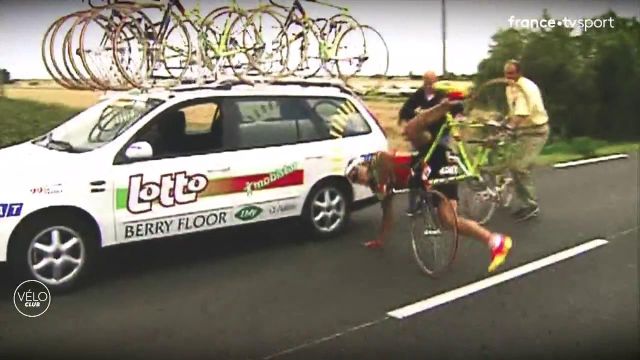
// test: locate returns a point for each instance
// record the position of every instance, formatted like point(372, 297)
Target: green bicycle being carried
point(477, 163)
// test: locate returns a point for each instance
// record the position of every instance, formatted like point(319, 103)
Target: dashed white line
point(590, 161)
point(452, 295)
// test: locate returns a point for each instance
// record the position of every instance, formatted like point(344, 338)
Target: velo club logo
point(32, 298)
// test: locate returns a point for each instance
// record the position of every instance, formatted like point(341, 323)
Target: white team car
point(188, 159)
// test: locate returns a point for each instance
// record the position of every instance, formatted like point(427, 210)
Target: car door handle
point(314, 157)
point(219, 169)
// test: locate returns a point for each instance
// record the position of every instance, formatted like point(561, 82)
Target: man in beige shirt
point(529, 117)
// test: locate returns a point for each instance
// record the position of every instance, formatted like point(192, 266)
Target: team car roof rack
point(229, 83)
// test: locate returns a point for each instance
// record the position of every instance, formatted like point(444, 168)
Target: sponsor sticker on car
point(271, 178)
point(282, 208)
point(248, 213)
point(47, 189)
point(173, 189)
point(10, 209)
point(205, 220)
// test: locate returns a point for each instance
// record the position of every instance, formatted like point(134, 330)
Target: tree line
point(590, 80)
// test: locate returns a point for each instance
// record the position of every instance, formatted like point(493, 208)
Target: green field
point(22, 120)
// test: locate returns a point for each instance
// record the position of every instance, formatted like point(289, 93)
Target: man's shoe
point(499, 254)
point(528, 213)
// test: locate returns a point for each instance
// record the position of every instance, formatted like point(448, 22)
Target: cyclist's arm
point(388, 165)
point(407, 112)
point(387, 217)
point(430, 115)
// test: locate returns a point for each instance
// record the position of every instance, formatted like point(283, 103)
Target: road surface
point(267, 293)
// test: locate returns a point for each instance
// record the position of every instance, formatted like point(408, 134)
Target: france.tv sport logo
point(9, 210)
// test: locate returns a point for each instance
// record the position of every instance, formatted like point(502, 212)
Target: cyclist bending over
point(378, 172)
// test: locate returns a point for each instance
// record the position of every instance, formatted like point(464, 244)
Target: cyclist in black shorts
point(425, 98)
point(420, 129)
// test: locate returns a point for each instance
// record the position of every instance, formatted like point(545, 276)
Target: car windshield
point(98, 125)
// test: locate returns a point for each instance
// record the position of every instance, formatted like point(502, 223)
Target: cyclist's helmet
point(351, 172)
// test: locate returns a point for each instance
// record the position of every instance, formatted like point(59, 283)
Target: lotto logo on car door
point(173, 189)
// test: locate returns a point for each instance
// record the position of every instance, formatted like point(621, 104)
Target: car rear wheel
point(327, 209)
point(55, 250)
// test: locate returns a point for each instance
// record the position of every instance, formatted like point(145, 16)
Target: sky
point(412, 29)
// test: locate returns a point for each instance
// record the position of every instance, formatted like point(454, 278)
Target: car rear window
point(272, 120)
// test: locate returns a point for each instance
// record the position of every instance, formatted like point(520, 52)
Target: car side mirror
point(139, 150)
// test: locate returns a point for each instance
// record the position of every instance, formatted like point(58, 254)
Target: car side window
point(186, 129)
point(273, 121)
point(340, 116)
point(200, 117)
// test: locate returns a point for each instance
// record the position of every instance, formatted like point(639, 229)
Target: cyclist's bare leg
point(465, 226)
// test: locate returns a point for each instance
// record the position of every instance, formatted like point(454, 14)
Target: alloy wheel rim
point(56, 255)
point(328, 210)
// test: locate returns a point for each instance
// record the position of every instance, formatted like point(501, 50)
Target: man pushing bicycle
point(379, 171)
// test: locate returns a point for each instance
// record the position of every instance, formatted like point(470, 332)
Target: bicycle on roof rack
point(217, 47)
point(122, 44)
point(116, 45)
point(337, 45)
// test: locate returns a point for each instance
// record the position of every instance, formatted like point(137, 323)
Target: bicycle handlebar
point(498, 125)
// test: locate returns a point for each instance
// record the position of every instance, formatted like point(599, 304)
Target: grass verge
point(583, 148)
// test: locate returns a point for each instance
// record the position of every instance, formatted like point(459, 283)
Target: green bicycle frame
point(328, 50)
point(220, 49)
point(470, 167)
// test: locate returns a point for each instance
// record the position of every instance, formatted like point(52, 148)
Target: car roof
point(235, 87)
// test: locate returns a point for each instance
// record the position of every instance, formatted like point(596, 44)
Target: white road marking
point(590, 161)
point(452, 295)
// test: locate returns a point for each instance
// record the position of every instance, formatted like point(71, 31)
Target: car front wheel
point(55, 251)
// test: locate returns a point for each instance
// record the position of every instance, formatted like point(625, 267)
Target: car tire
point(327, 209)
point(71, 261)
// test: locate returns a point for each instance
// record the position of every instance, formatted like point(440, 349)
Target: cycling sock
point(495, 241)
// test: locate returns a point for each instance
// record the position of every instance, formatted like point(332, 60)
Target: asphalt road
point(266, 292)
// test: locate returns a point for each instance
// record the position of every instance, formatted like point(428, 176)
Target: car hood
point(26, 158)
